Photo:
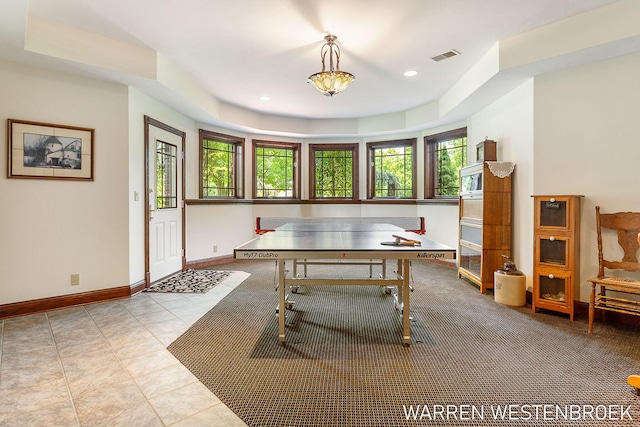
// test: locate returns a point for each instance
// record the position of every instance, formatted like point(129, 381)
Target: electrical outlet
point(215, 248)
point(75, 279)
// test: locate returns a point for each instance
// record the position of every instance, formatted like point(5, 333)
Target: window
point(276, 170)
point(166, 175)
point(333, 170)
point(391, 169)
point(221, 165)
point(445, 154)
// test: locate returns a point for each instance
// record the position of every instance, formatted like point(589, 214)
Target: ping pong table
point(343, 244)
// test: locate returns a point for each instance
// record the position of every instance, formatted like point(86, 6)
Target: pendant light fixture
point(331, 81)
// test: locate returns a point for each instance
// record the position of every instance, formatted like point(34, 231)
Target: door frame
point(148, 121)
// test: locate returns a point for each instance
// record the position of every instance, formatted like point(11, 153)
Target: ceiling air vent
point(446, 55)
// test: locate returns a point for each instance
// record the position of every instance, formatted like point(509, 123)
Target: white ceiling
point(237, 51)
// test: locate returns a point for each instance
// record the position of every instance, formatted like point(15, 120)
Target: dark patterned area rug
point(472, 361)
point(196, 281)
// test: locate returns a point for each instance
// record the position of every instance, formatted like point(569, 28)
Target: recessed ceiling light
point(410, 73)
point(265, 98)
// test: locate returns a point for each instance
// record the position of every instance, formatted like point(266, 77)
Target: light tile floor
point(107, 364)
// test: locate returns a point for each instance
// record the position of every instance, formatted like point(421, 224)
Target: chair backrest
point(627, 227)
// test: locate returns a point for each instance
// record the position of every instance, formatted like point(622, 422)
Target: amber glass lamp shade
point(332, 81)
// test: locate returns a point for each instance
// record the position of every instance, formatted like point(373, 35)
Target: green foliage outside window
point(217, 168)
point(274, 172)
point(334, 173)
point(452, 155)
point(166, 176)
point(393, 172)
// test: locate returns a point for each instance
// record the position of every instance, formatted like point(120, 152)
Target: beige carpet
point(344, 363)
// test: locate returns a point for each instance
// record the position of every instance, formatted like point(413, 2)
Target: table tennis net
point(415, 224)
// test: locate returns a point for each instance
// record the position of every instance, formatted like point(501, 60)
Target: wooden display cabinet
point(556, 264)
point(485, 221)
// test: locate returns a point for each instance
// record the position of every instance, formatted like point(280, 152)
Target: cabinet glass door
point(553, 213)
point(470, 260)
point(469, 183)
point(552, 288)
point(471, 208)
point(471, 233)
point(553, 250)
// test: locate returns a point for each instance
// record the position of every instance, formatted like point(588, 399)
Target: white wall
point(509, 122)
point(441, 222)
point(52, 229)
point(225, 226)
point(139, 106)
point(586, 142)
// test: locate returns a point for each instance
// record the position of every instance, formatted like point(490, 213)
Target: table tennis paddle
point(402, 241)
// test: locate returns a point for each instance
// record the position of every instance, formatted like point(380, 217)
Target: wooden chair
point(627, 227)
point(634, 380)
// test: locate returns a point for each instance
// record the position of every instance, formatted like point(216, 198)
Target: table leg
point(406, 318)
point(400, 287)
point(281, 305)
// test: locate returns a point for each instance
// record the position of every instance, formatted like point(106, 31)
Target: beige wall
point(509, 122)
point(569, 132)
point(586, 142)
point(52, 229)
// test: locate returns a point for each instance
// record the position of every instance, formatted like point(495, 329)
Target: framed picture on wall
point(48, 151)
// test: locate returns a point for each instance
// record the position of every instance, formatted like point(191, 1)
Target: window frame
point(172, 155)
point(296, 147)
point(371, 172)
point(238, 162)
point(431, 159)
point(353, 148)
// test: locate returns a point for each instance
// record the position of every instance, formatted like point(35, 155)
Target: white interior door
point(165, 200)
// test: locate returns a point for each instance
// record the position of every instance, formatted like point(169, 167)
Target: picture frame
point(49, 151)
